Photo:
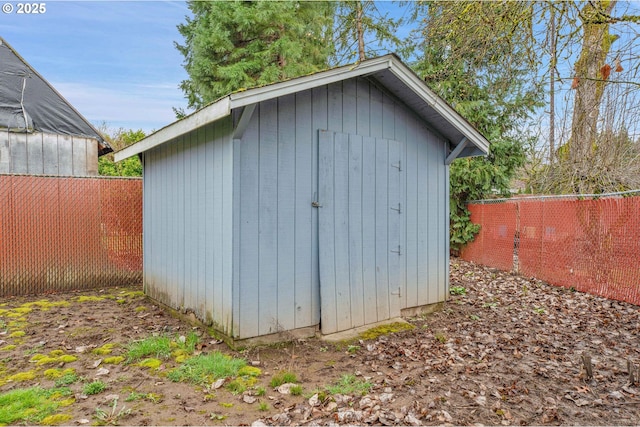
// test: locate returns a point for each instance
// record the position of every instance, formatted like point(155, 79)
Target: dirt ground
point(505, 350)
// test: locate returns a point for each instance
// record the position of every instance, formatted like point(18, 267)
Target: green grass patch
point(458, 290)
point(151, 363)
point(158, 347)
point(206, 368)
point(349, 384)
point(391, 328)
point(104, 350)
point(296, 390)
point(54, 420)
point(30, 405)
point(94, 387)
point(114, 360)
point(90, 298)
point(283, 378)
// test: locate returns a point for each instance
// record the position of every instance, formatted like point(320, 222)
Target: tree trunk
point(589, 84)
point(552, 81)
point(360, 31)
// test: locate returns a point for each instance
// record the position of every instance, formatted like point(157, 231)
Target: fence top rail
point(131, 178)
point(558, 196)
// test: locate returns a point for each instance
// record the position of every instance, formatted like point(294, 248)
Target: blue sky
point(114, 61)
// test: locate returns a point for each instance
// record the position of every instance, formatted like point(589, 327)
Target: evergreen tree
point(230, 45)
point(478, 57)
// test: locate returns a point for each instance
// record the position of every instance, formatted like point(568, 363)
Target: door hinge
point(316, 204)
point(397, 165)
point(399, 293)
point(398, 209)
point(397, 252)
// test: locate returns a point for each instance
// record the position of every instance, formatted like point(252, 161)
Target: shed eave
point(208, 114)
point(452, 125)
point(453, 118)
point(253, 96)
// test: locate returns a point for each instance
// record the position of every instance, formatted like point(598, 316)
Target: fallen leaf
point(216, 385)
point(285, 388)
point(102, 372)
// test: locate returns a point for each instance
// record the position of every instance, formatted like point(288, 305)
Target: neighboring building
point(40, 132)
point(321, 202)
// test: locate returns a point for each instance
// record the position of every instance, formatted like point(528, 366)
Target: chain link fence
point(68, 233)
point(590, 243)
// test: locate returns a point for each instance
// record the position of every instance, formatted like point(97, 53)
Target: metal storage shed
point(40, 132)
point(318, 203)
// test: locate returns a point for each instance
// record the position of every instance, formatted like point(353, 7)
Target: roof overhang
point(389, 71)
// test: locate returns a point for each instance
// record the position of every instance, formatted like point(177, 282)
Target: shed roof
point(29, 103)
point(388, 71)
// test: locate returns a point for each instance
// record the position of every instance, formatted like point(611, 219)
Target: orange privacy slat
point(59, 234)
point(589, 245)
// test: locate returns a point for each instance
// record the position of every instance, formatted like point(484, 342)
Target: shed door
point(360, 223)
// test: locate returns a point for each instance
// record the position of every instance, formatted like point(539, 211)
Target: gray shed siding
point(48, 154)
point(276, 272)
point(188, 223)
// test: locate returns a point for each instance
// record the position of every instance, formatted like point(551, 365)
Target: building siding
point(48, 154)
point(276, 258)
point(188, 221)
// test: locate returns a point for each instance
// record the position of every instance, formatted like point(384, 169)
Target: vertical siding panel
point(335, 106)
point(434, 243)
point(363, 108)
point(355, 220)
point(341, 230)
point(248, 257)
point(303, 224)
point(79, 150)
point(447, 215)
point(65, 155)
point(382, 232)
point(223, 135)
point(202, 219)
point(50, 154)
point(19, 158)
point(423, 217)
point(175, 205)
point(319, 121)
point(160, 198)
point(183, 179)
point(388, 117)
point(395, 250)
point(413, 195)
point(443, 220)
point(238, 231)
point(35, 153)
point(147, 229)
point(349, 107)
point(400, 132)
point(375, 112)
point(92, 156)
point(369, 229)
point(268, 218)
point(286, 202)
point(5, 152)
point(326, 230)
point(213, 305)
